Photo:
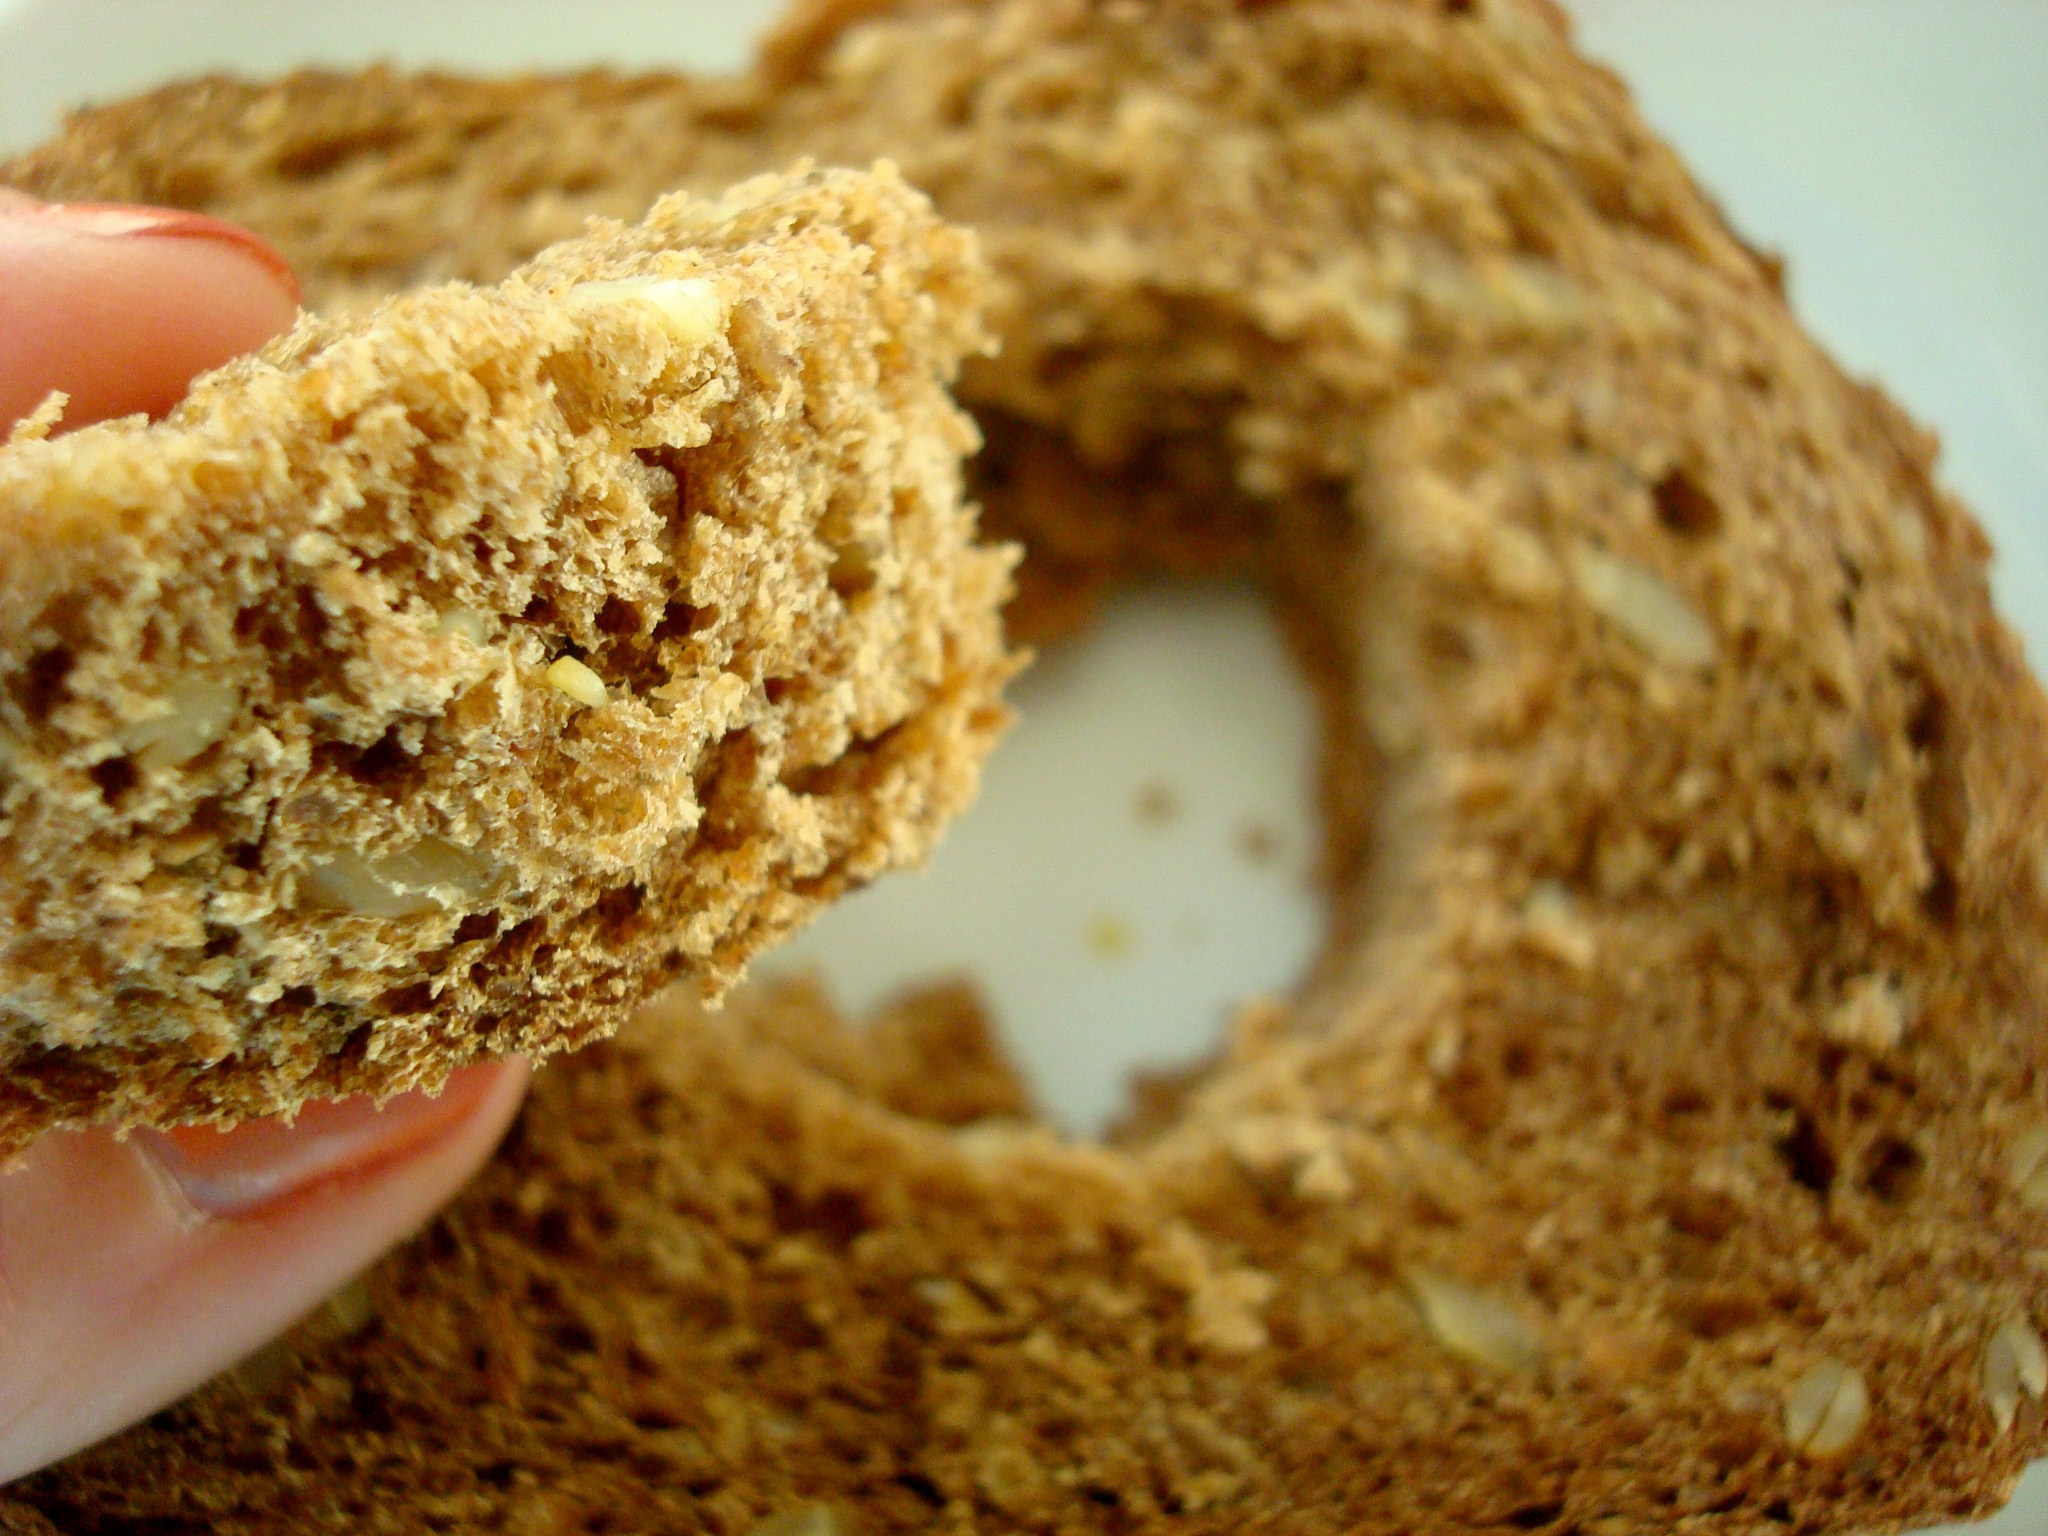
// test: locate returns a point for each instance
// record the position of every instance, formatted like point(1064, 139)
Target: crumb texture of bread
point(1660, 1143)
point(446, 677)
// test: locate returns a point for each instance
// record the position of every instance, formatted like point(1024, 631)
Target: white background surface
point(1897, 150)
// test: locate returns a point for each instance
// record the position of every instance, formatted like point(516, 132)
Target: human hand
point(130, 1271)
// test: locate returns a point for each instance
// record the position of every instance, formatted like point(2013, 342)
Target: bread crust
point(442, 680)
point(1657, 1144)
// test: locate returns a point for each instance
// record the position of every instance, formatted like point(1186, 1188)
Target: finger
point(120, 306)
point(131, 1271)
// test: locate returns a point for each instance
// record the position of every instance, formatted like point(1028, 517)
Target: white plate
point(1137, 862)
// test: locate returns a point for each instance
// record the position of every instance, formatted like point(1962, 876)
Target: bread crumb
point(1324, 1177)
point(1109, 937)
point(1551, 924)
point(1871, 1014)
point(39, 423)
point(1156, 806)
point(1258, 844)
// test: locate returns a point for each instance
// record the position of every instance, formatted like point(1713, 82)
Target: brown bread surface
point(441, 680)
point(1658, 1144)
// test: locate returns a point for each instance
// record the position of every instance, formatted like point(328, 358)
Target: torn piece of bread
point(1660, 1143)
point(439, 681)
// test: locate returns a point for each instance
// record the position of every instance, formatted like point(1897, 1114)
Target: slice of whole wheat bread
point(441, 680)
point(1658, 1144)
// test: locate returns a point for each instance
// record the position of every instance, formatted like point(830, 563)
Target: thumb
point(132, 1270)
point(120, 306)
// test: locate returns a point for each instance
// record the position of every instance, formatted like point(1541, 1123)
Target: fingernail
point(124, 221)
point(236, 1172)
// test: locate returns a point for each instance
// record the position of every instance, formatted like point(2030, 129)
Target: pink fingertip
point(235, 1172)
point(114, 221)
point(119, 1292)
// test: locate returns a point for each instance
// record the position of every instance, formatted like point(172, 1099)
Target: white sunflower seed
point(431, 876)
point(195, 714)
point(689, 307)
point(570, 676)
point(2015, 1364)
point(1826, 1409)
point(1472, 1324)
point(1643, 606)
point(2027, 1167)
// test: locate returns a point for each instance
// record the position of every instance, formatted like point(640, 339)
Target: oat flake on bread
point(1681, 1018)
